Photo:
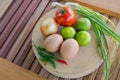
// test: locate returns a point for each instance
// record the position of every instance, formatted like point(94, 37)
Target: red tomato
point(65, 16)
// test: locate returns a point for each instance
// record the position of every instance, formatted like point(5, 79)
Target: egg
point(69, 49)
point(53, 42)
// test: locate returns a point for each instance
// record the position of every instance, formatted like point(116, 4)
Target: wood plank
point(4, 4)
point(44, 73)
point(29, 59)
point(12, 23)
point(52, 77)
point(49, 7)
point(11, 11)
point(110, 7)
point(99, 73)
point(23, 51)
point(22, 38)
point(19, 26)
point(90, 76)
point(35, 66)
point(26, 31)
point(118, 78)
point(79, 78)
point(64, 79)
point(12, 72)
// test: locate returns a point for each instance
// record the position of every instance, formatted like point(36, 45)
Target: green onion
point(100, 28)
point(99, 34)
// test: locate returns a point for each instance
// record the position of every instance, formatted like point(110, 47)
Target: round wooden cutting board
point(86, 61)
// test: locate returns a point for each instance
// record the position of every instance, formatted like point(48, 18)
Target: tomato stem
point(63, 11)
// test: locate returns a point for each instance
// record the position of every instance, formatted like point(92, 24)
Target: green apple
point(83, 24)
point(83, 38)
point(68, 32)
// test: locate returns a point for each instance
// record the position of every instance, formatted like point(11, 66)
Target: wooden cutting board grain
point(111, 7)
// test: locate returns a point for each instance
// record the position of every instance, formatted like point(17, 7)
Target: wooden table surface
point(10, 71)
point(16, 25)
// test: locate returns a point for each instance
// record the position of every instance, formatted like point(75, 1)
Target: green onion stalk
point(100, 28)
point(99, 34)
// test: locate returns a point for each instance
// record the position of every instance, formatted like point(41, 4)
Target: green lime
point(68, 32)
point(83, 24)
point(83, 38)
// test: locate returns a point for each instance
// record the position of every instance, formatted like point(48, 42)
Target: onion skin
point(49, 27)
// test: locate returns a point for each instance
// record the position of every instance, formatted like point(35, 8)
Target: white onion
point(48, 27)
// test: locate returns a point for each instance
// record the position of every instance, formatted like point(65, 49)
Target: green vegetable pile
point(101, 29)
